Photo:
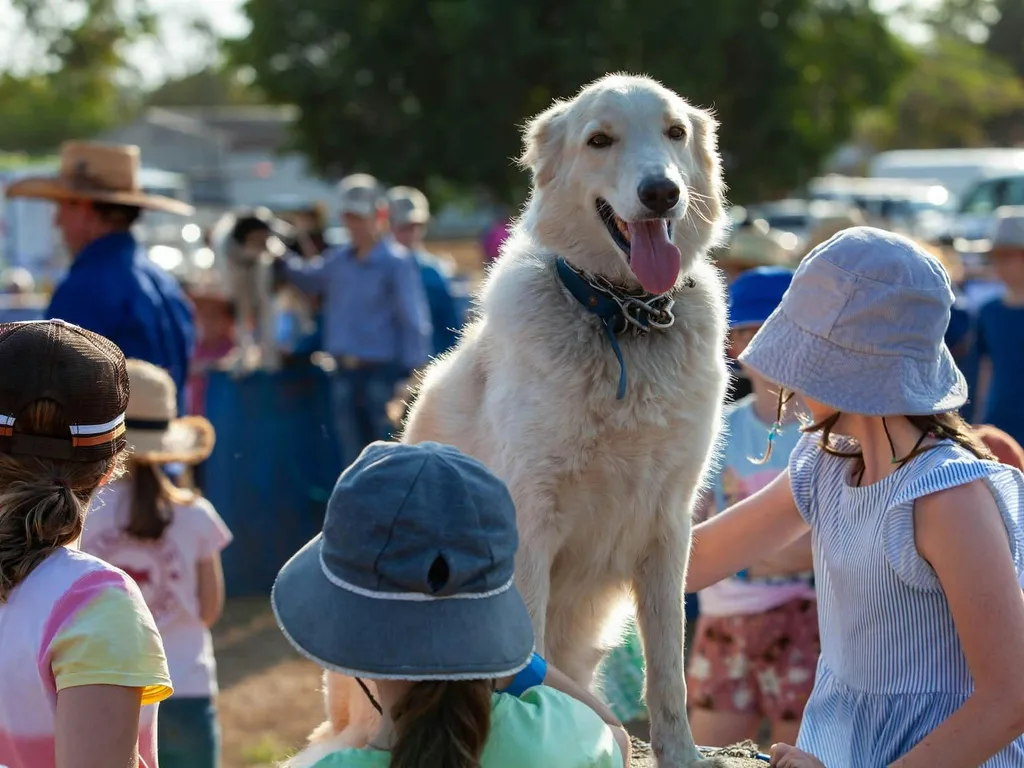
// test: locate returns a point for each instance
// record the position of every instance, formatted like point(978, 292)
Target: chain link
point(657, 310)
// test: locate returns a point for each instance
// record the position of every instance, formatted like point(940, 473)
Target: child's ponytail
point(442, 724)
point(42, 501)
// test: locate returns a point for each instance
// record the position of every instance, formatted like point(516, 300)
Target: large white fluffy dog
point(594, 386)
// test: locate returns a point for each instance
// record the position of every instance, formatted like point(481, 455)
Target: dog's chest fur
point(638, 449)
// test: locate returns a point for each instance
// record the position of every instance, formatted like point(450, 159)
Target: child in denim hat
point(917, 535)
point(756, 642)
point(410, 585)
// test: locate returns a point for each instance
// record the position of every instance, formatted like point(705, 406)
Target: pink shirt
point(166, 572)
point(74, 621)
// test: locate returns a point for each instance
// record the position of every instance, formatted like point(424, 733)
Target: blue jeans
point(360, 400)
point(188, 735)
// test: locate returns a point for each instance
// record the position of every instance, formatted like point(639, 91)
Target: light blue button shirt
point(375, 308)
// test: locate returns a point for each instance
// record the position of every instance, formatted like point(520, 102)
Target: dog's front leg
point(533, 579)
point(658, 583)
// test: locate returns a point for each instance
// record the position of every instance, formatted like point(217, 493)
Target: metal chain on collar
point(656, 309)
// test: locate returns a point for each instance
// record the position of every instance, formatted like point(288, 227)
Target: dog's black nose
point(658, 193)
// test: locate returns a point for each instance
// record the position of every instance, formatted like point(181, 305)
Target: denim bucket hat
point(861, 329)
point(755, 294)
point(411, 578)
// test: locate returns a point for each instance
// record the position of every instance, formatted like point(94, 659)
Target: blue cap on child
point(756, 293)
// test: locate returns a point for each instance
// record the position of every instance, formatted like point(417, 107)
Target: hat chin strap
point(369, 695)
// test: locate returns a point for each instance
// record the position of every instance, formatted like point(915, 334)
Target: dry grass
point(270, 697)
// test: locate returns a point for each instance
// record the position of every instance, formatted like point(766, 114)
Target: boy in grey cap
point(376, 321)
point(999, 333)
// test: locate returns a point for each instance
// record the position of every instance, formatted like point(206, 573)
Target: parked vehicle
point(975, 217)
point(916, 207)
point(955, 169)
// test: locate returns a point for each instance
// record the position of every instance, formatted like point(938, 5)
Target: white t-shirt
point(166, 572)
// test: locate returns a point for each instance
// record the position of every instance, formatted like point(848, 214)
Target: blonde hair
point(43, 501)
point(948, 258)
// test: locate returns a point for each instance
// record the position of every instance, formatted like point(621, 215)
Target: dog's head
point(627, 181)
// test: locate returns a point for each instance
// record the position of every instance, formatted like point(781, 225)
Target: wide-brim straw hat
point(155, 432)
point(102, 173)
point(752, 247)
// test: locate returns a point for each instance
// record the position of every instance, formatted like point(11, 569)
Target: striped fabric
point(891, 667)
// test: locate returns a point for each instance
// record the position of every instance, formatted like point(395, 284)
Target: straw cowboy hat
point(104, 173)
point(830, 226)
point(752, 247)
point(154, 431)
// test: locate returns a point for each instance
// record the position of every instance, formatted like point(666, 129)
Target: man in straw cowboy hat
point(112, 288)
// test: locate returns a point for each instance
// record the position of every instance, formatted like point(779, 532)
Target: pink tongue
point(653, 258)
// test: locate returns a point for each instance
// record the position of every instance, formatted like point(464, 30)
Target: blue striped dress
point(891, 666)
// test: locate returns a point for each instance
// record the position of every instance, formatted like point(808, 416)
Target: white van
point(956, 169)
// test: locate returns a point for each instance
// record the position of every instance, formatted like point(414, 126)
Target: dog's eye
point(600, 141)
point(677, 133)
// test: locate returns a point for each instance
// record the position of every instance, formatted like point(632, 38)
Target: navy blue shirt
point(446, 311)
point(375, 308)
point(1000, 337)
point(113, 289)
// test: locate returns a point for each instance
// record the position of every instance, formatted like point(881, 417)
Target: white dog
point(594, 386)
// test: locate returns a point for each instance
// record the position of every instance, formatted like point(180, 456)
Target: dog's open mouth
point(647, 244)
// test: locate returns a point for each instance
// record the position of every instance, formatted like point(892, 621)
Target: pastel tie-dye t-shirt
point(75, 621)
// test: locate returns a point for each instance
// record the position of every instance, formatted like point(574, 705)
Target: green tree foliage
point(1006, 33)
point(212, 86)
point(973, 71)
point(435, 90)
point(73, 90)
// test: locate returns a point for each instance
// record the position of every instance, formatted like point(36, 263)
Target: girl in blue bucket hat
point(410, 586)
point(918, 536)
point(756, 641)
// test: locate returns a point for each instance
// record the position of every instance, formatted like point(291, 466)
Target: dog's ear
point(543, 143)
point(705, 143)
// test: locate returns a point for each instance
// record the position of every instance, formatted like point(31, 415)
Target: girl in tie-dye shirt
point(80, 655)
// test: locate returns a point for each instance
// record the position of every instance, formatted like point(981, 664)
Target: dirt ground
point(270, 697)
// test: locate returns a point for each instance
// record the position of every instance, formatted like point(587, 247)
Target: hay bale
point(739, 755)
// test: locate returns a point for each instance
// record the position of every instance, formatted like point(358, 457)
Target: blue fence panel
point(273, 468)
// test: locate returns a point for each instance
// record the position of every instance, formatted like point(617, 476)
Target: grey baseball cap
point(412, 576)
point(1008, 230)
point(407, 205)
point(361, 195)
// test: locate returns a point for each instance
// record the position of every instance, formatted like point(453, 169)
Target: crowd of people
point(849, 449)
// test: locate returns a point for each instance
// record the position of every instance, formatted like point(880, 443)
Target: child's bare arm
point(756, 528)
point(210, 576)
point(97, 726)
point(961, 534)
